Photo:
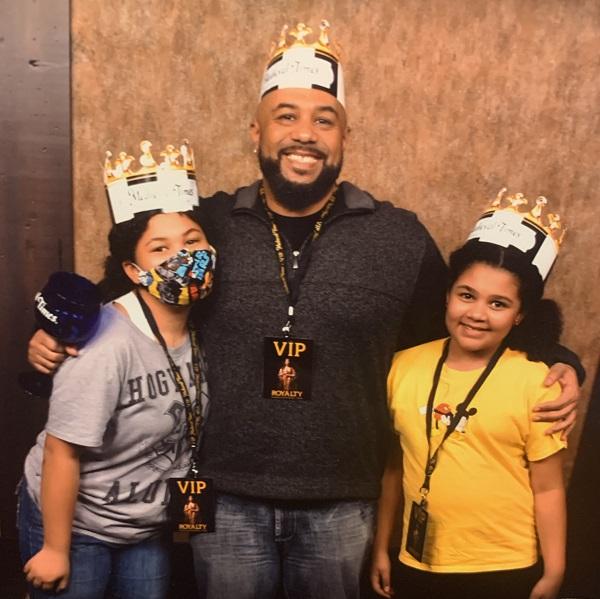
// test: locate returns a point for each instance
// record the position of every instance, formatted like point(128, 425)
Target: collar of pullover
point(350, 199)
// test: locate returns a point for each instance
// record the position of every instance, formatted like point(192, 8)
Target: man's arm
point(46, 354)
point(563, 410)
point(563, 355)
point(424, 319)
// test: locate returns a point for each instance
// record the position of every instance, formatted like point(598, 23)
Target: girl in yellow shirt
point(479, 480)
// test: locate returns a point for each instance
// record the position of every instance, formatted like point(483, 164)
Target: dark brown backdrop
point(35, 192)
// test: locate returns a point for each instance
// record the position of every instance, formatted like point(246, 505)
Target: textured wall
point(448, 100)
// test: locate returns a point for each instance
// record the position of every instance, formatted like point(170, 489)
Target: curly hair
point(540, 330)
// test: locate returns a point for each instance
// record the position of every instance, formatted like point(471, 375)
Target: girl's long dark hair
point(122, 240)
point(540, 330)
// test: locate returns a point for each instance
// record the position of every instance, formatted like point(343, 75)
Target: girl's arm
point(49, 568)
point(389, 506)
point(551, 522)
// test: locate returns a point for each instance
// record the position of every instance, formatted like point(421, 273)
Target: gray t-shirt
point(118, 401)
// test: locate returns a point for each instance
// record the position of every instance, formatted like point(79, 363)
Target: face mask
point(182, 279)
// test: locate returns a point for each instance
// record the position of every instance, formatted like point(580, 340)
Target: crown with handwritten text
point(164, 180)
point(303, 57)
point(511, 220)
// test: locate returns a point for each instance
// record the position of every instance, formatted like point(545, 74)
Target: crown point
point(146, 159)
point(553, 227)
point(557, 231)
point(517, 200)
point(282, 42)
point(324, 27)
point(536, 211)
point(300, 34)
point(498, 201)
point(303, 57)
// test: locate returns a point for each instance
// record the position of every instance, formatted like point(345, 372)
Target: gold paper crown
point(296, 38)
point(548, 222)
point(171, 159)
point(509, 222)
point(168, 185)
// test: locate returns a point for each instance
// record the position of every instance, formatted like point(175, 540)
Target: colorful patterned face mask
point(182, 279)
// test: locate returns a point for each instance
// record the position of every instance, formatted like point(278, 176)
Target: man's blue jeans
point(311, 551)
point(98, 569)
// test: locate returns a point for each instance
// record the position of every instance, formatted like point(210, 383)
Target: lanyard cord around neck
point(292, 288)
point(193, 412)
point(461, 411)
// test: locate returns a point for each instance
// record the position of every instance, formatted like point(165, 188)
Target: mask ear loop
point(145, 277)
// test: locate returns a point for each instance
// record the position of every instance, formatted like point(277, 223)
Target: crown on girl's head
point(534, 231)
point(168, 184)
point(303, 58)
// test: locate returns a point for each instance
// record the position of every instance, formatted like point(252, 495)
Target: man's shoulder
point(357, 198)
point(386, 220)
point(214, 211)
point(220, 201)
point(225, 201)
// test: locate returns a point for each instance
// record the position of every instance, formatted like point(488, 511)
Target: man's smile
point(301, 161)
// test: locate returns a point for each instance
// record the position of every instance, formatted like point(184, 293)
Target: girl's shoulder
point(525, 378)
point(114, 340)
point(520, 367)
point(424, 353)
point(114, 328)
point(415, 361)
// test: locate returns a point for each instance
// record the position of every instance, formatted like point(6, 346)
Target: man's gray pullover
point(375, 283)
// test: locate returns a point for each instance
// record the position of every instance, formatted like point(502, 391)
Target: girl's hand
point(380, 574)
point(48, 569)
point(547, 587)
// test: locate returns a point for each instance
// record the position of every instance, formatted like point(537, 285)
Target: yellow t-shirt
point(481, 513)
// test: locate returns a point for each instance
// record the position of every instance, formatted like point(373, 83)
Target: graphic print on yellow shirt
point(480, 505)
point(443, 413)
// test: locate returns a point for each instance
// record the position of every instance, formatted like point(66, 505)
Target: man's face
point(300, 135)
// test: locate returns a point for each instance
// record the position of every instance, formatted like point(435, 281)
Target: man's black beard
point(297, 197)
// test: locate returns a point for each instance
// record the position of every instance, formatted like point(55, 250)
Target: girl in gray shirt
point(92, 505)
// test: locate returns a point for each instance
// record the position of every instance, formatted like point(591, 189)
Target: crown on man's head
point(534, 231)
point(168, 185)
point(297, 37)
point(304, 58)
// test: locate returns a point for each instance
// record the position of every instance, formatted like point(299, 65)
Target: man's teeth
point(302, 158)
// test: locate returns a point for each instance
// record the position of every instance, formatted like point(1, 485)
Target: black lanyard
point(461, 411)
point(193, 412)
point(292, 288)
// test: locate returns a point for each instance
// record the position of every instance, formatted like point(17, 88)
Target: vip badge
point(417, 531)
point(287, 371)
point(192, 505)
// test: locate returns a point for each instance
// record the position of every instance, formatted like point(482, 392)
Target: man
point(304, 263)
